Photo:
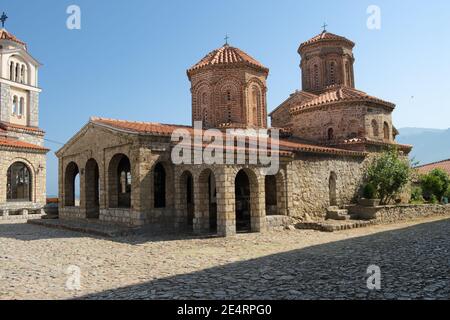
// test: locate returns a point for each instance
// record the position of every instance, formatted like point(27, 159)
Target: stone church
point(329, 130)
point(22, 154)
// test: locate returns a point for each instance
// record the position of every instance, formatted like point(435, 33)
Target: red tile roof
point(444, 165)
point(167, 129)
point(17, 144)
point(5, 35)
point(326, 37)
point(226, 55)
point(8, 126)
point(339, 94)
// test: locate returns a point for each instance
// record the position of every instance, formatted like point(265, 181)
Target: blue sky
point(129, 59)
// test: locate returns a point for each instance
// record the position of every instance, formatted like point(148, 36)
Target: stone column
point(258, 204)
point(201, 206)
point(226, 215)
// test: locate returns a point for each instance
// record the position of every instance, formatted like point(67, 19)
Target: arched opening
point(386, 131)
point(17, 75)
point(332, 188)
point(187, 187)
point(72, 185)
point(375, 130)
point(208, 198)
point(22, 107)
point(243, 202)
point(271, 195)
point(316, 77)
point(19, 183)
point(15, 106)
point(11, 71)
point(330, 134)
point(159, 186)
point(119, 174)
point(92, 190)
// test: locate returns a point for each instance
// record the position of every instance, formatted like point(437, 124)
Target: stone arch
point(19, 182)
point(246, 199)
point(119, 181)
point(92, 189)
point(71, 184)
point(207, 200)
point(165, 183)
point(333, 189)
point(275, 194)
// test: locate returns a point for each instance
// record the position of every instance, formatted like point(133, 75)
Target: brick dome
point(226, 56)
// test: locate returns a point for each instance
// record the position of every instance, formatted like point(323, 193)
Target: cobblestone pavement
point(414, 259)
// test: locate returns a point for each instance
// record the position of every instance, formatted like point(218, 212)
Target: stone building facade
point(22, 154)
point(128, 174)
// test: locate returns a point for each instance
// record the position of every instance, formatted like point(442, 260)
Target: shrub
point(434, 199)
point(436, 183)
point(389, 173)
point(369, 191)
point(417, 195)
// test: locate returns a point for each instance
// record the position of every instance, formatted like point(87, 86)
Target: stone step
point(334, 213)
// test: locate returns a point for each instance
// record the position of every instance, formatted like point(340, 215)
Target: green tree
point(435, 183)
point(389, 173)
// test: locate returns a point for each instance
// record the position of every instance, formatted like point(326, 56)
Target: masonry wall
point(308, 183)
point(5, 99)
point(346, 121)
point(36, 162)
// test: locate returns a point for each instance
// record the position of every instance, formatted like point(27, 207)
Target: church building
point(22, 154)
point(328, 130)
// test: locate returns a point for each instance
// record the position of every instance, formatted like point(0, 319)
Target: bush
point(436, 183)
point(434, 199)
point(369, 191)
point(417, 195)
point(389, 173)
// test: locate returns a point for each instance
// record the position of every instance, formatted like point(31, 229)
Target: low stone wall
point(14, 211)
point(71, 213)
point(390, 214)
point(274, 222)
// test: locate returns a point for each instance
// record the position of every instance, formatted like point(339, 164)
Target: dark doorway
point(19, 185)
point(243, 207)
point(160, 186)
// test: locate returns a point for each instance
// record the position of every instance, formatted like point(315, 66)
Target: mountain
point(430, 145)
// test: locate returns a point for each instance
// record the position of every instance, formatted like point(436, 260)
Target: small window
point(21, 107)
point(332, 73)
point(386, 131)
point(228, 96)
point(330, 134)
point(15, 106)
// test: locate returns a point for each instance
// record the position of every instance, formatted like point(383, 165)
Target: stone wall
point(5, 105)
point(390, 214)
point(346, 121)
point(36, 162)
point(33, 116)
point(308, 183)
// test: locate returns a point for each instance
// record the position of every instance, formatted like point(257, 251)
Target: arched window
point(347, 72)
point(330, 134)
point(386, 131)
point(229, 115)
point(17, 72)
point(22, 107)
point(15, 106)
point(11, 71)
point(18, 183)
point(205, 117)
point(22, 74)
point(228, 96)
point(316, 76)
point(159, 186)
point(375, 131)
point(257, 109)
point(332, 73)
